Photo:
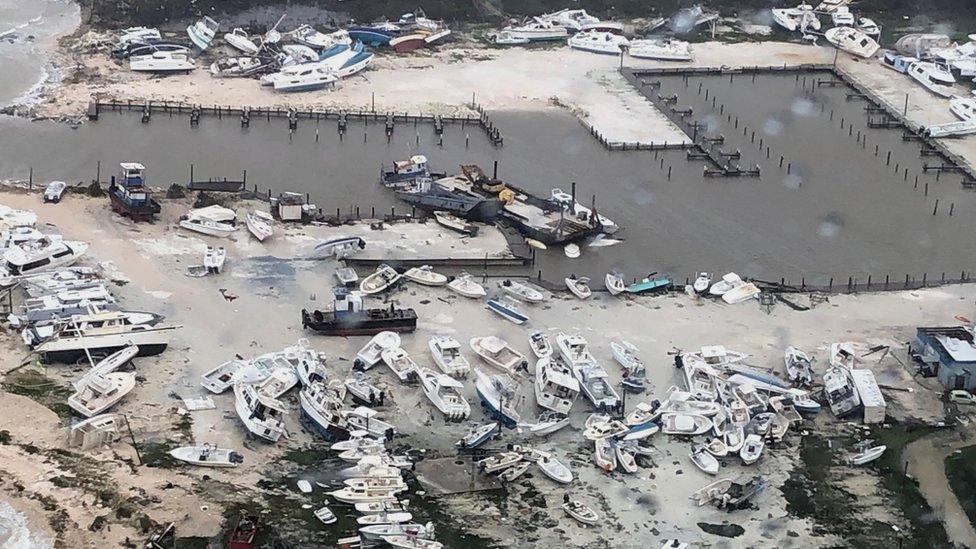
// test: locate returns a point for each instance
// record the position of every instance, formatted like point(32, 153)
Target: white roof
point(132, 166)
point(959, 350)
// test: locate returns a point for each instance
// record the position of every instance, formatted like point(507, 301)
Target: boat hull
point(368, 322)
point(495, 409)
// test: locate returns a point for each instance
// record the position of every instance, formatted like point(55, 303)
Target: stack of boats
point(147, 51)
point(555, 26)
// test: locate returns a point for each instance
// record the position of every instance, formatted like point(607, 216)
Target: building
point(949, 353)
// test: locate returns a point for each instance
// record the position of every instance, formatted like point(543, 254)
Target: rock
point(98, 524)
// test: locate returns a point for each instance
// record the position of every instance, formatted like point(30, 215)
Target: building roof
point(956, 341)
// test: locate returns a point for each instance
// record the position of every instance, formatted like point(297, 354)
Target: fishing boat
point(207, 455)
point(260, 224)
point(207, 226)
point(477, 436)
point(729, 281)
point(464, 285)
point(498, 353)
point(798, 366)
point(455, 223)
point(704, 460)
point(852, 41)
point(684, 424)
point(385, 517)
point(446, 352)
point(362, 390)
point(573, 349)
point(749, 396)
point(751, 449)
point(340, 247)
point(100, 392)
point(371, 353)
point(933, 78)
point(556, 387)
point(305, 77)
point(384, 277)
point(507, 309)
point(802, 17)
point(540, 345)
point(963, 107)
point(867, 456)
point(580, 287)
point(499, 462)
point(536, 30)
point(498, 396)
point(520, 291)
point(214, 258)
point(425, 275)
point(581, 212)
point(162, 62)
point(553, 468)
point(368, 420)
point(348, 317)
point(262, 416)
point(581, 512)
point(626, 355)
point(444, 392)
point(595, 386)
point(400, 363)
point(625, 459)
point(615, 284)
point(648, 285)
point(572, 19)
point(547, 423)
point(594, 41)
point(839, 391)
point(308, 36)
point(202, 32)
point(240, 40)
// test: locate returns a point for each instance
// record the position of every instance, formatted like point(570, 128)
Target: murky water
point(27, 31)
point(841, 211)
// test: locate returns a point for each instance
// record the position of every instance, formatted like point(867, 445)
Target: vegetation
point(960, 470)
point(35, 385)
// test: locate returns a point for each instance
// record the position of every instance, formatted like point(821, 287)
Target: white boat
point(411, 541)
point(202, 32)
point(260, 224)
point(540, 345)
point(507, 308)
point(704, 460)
point(536, 30)
point(278, 383)
point(554, 469)
point(626, 355)
point(425, 275)
point(702, 283)
point(664, 49)
point(798, 366)
point(931, 77)
point(409, 531)
point(615, 284)
point(17, 236)
point(384, 277)
point(868, 26)
point(625, 459)
point(325, 515)
point(842, 17)
point(712, 492)
point(306, 77)
point(572, 20)
point(520, 291)
point(867, 455)
point(556, 388)
point(10, 217)
point(214, 258)
point(358, 440)
point(132, 35)
point(221, 378)
point(477, 436)
point(445, 393)
point(603, 428)
point(455, 223)
point(340, 247)
point(581, 212)
point(236, 66)
point(395, 517)
point(734, 439)
point(801, 18)
point(365, 419)
point(606, 43)
point(508, 38)
point(963, 107)
point(38, 256)
point(839, 391)
point(363, 495)
point(499, 462)
point(595, 386)
point(729, 281)
point(347, 276)
point(380, 507)
point(852, 41)
point(99, 333)
point(497, 393)
point(740, 293)
point(207, 455)
point(738, 413)
point(580, 287)
point(748, 395)
point(447, 356)
point(573, 348)
point(100, 392)
point(208, 226)
point(54, 191)
point(463, 284)
point(308, 36)
point(498, 353)
point(262, 416)
point(240, 40)
point(751, 449)
point(371, 353)
point(107, 365)
point(641, 431)
point(514, 472)
point(673, 423)
point(547, 423)
point(604, 454)
point(581, 512)
point(162, 61)
point(400, 363)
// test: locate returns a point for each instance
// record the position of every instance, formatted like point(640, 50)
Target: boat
point(734, 438)
point(406, 43)
point(868, 26)
point(499, 462)
point(348, 317)
point(346, 276)
point(49, 308)
point(751, 449)
point(553, 468)
point(932, 78)
point(306, 77)
point(99, 333)
point(641, 431)
point(278, 383)
point(498, 353)
point(595, 41)
point(536, 30)
point(371, 353)
point(580, 287)
point(712, 492)
point(207, 455)
point(581, 512)
point(446, 352)
point(385, 517)
point(325, 515)
point(842, 17)
point(508, 38)
point(100, 392)
point(237, 66)
point(507, 309)
point(17, 236)
point(363, 390)
point(366, 419)
point(357, 440)
point(425, 275)
point(740, 293)
point(604, 455)
point(702, 283)
point(498, 396)
point(798, 366)
point(801, 18)
point(107, 365)
point(54, 191)
point(340, 247)
point(202, 32)
point(384, 277)
point(455, 223)
point(626, 355)
point(852, 41)
point(520, 291)
point(738, 413)
point(376, 34)
point(512, 473)
point(380, 532)
point(346, 61)
point(162, 62)
point(10, 218)
point(444, 392)
point(308, 36)
point(572, 19)
point(464, 285)
point(625, 459)
point(599, 426)
point(207, 226)
point(477, 436)
point(381, 507)
point(573, 348)
point(963, 107)
point(866, 456)
point(748, 395)
point(213, 259)
point(896, 62)
point(648, 285)
point(38, 256)
point(240, 40)
point(221, 378)
point(615, 284)
point(399, 361)
point(594, 385)
point(547, 423)
point(352, 495)
point(261, 415)
point(704, 460)
point(244, 532)
point(839, 391)
point(673, 423)
point(260, 224)
point(556, 387)
point(540, 345)
point(411, 541)
point(571, 250)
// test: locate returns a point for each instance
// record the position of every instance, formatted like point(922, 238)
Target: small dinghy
point(371, 353)
point(554, 469)
point(507, 309)
point(615, 284)
point(411, 541)
point(606, 458)
point(572, 251)
point(704, 460)
point(325, 515)
point(751, 449)
point(101, 392)
point(384, 277)
point(540, 345)
point(362, 390)
point(260, 224)
point(455, 223)
point(213, 259)
point(684, 424)
point(304, 486)
point(499, 462)
point(798, 366)
point(347, 276)
point(536, 244)
point(581, 512)
point(207, 455)
point(522, 292)
point(548, 422)
point(385, 518)
point(702, 283)
point(579, 286)
point(740, 293)
point(477, 436)
point(867, 456)
point(380, 507)
point(514, 472)
point(625, 459)
point(400, 363)
point(425, 275)
point(463, 284)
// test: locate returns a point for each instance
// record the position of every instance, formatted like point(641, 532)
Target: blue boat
point(374, 35)
point(129, 195)
point(650, 285)
point(333, 51)
point(508, 311)
point(497, 397)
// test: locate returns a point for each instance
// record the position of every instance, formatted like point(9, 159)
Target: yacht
point(10, 218)
point(100, 333)
point(38, 256)
point(319, 406)
point(202, 32)
point(348, 60)
point(310, 77)
point(536, 30)
point(595, 386)
point(665, 49)
point(605, 43)
point(852, 41)
point(162, 61)
point(555, 387)
point(17, 236)
point(932, 77)
point(312, 38)
point(263, 416)
point(963, 107)
point(572, 20)
point(64, 304)
point(801, 17)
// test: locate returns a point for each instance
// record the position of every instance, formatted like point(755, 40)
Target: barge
point(349, 318)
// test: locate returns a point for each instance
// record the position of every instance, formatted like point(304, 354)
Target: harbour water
point(28, 31)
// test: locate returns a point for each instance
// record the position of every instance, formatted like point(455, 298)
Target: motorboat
point(400, 363)
point(352, 495)
point(615, 284)
point(54, 191)
point(455, 223)
point(932, 77)
point(520, 291)
point(319, 406)
point(221, 378)
point(664, 49)
point(381, 507)
point(751, 449)
point(202, 32)
point(376, 34)
point(357, 440)
point(412, 542)
point(595, 385)
point(278, 383)
point(302, 78)
point(291, 55)
point(445, 393)
point(507, 309)
point(690, 406)
point(700, 380)
point(346, 60)
point(802, 18)
point(406, 532)
point(362, 389)
point(38, 256)
point(10, 218)
point(59, 280)
point(214, 258)
point(64, 304)
point(260, 224)
point(100, 392)
point(132, 35)
point(366, 419)
point(384, 278)
point(556, 387)
point(748, 394)
point(734, 438)
point(499, 462)
point(237, 66)
point(371, 353)
point(513, 473)
point(604, 455)
point(540, 345)
point(600, 427)
point(446, 352)
point(896, 62)
point(626, 355)
point(16, 236)
point(867, 455)
point(308, 36)
point(842, 17)
point(843, 355)
point(240, 40)
point(704, 460)
point(408, 170)
point(498, 353)
point(641, 431)
point(99, 333)
point(553, 468)
point(728, 282)
point(261, 415)
point(207, 455)
point(425, 275)
point(738, 413)
point(798, 366)
point(340, 247)
point(648, 285)
point(346, 276)
point(572, 20)
point(574, 349)
point(581, 212)
point(852, 41)
point(106, 366)
point(963, 107)
point(740, 293)
point(684, 424)
point(497, 394)
point(408, 42)
point(581, 512)
point(868, 26)
point(477, 436)
point(839, 391)
point(580, 287)
point(922, 45)
point(394, 483)
point(536, 30)
point(702, 283)
point(508, 38)
point(161, 62)
point(625, 459)
point(208, 226)
point(325, 515)
point(464, 285)
point(593, 41)
point(386, 517)
point(547, 423)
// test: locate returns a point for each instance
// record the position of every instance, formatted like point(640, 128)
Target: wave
point(14, 530)
point(15, 29)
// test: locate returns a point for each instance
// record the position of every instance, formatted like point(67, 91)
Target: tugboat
point(407, 171)
point(348, 317)
point(129, 195)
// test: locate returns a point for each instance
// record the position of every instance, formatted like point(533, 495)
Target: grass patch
point(156, 454)
point(960, 471)
point(36, 386)
point(308, 456)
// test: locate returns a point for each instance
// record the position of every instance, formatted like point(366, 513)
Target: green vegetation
point(35, 385)
point(960, 470)
point(156, 454)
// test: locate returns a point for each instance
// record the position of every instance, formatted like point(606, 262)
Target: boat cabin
point(133, 174)
point(948, 353)
point(897, 62)
point(346, 301)
point(129, 195)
